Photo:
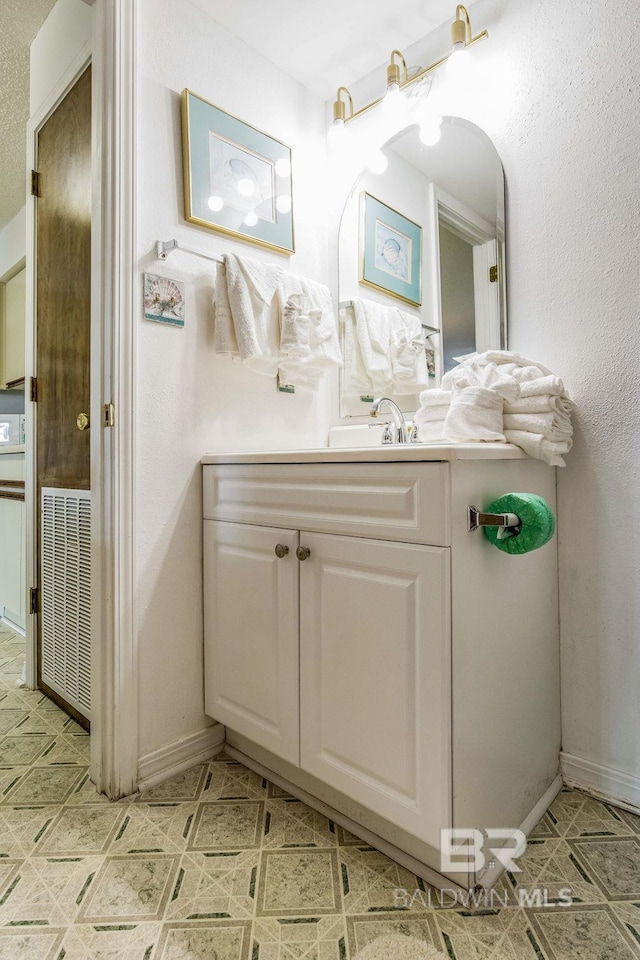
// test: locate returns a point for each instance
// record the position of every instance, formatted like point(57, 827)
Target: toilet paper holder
point(507, 521)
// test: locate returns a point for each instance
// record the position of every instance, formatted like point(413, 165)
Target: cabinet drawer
point(394, 501)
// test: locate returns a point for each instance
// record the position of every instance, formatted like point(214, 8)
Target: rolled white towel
point(540, 404)
point(538, 447)
point(475, 414)
point(543, 386)
point(552, 426)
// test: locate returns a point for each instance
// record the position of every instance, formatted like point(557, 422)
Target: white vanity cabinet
point(366, 649)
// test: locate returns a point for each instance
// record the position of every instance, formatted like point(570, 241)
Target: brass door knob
point(302, 553)
point(82, 421)
point(281, 550)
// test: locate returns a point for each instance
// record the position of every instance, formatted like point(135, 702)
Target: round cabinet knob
point(82, 421)
point(302, 553)
point(281, 550)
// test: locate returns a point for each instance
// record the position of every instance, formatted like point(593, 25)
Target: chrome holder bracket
point(507, 521)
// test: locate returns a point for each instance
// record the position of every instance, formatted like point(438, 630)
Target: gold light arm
point(461, 27)
point(340, 107)
point(393, 70)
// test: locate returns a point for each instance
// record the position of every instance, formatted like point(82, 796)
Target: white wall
point(13, 242)
point(555, 87)
point(63, 36)
point(189, 401)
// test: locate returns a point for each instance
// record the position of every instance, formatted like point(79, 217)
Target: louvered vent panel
point(66, 595)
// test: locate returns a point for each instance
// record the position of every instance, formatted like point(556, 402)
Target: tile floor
point(219, 864)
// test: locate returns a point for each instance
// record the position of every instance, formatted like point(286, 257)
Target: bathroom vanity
point(373, 656)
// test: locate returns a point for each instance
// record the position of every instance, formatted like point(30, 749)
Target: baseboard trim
point(11, 623)
point(178, 756)
point(432, 877)
point(603, 783)
point(489, 877)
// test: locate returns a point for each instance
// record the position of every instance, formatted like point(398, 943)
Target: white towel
point(475, 414)
point(225, 343)
point(430, 416)
point(537, 446)
point(408, 353)
point(274, 321)
point(356, 381)
point(373, 330)
point(542, 403)
point(251, 287)
point(552, 426)
point(309, 344)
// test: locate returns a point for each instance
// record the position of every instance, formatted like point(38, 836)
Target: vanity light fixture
point(395, 77)
point(398, 78)
point(340, 115)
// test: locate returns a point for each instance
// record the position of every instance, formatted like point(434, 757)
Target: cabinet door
point(375, 676)
point(251, 633)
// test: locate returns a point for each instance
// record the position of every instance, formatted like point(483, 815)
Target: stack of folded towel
point(384, 350)
point(500, 396)
point(274, 322)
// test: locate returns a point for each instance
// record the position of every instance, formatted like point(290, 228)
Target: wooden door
point(375, 676)
point(251, 633)
point(63, 303)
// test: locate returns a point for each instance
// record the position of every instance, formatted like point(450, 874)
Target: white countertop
point(379, 454)
point(18, 448)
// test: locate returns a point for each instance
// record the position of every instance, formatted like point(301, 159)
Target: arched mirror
point(422, 263)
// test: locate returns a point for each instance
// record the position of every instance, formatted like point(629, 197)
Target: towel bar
point(165, 247)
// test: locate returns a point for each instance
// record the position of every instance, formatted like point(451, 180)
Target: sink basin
point(357, 435)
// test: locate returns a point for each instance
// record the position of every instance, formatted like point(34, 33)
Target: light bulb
point(283, 167)
point(283, 203)
point(377, 162)
point(393, 90)
point(429, 133)
point(459, 62)
point(251, 219)
point(215, 203)
point(246, 187)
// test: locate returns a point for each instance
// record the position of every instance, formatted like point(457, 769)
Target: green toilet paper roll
point(537, 523)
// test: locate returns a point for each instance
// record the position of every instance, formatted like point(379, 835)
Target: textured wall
point(189, 401)
point(556, 87)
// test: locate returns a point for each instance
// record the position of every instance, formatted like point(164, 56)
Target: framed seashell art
point(237, 179)
point(163, 300)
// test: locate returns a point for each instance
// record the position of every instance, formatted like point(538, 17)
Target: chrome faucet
point(398, 432)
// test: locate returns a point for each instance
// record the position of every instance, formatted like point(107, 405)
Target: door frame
point(114, 688)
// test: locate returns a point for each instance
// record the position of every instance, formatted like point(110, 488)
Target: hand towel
point(251, 289)
point(408, 353)
point(475, 414)
point(356, 381)
point(225, 342)
point(373, 331)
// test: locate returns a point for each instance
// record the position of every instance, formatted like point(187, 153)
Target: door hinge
point(34, 598)
point(493, 274)
point(35, 183)
point(108, 415)
point(33, 390)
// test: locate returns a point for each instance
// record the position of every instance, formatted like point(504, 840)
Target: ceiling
point(322, 45)
point(19, 23)
point(328, 42)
